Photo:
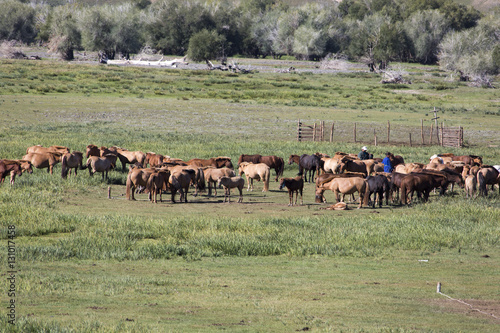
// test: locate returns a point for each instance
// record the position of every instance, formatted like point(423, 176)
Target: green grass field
point(88, 263)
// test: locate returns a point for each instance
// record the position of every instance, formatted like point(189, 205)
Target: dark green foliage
point(17, 21)
point(206, 45)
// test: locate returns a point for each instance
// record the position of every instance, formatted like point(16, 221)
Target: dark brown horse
point(422, 183)
point(310, 163)
point(272, 161)
point(293, 185)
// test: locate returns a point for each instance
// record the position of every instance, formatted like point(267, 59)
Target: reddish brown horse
point(216, 162)
point(272, 161)
point(157, 183)
point(14, 168)
point(293, 185)
point(52, 149)
point(154, 160)
point(422, 183)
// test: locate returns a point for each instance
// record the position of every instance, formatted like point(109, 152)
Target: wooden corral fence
point(452, 136)
point(375, 133)
point(310, 132)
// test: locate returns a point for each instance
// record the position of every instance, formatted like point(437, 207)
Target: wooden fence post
point(410, 139)
point(430, 137)
point(442, 136)
point(388, 131)
point(354, 132)
point(422, 130)
point(331, 132)
point(314, 132)
point(298, 130)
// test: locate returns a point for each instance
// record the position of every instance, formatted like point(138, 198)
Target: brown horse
point(272, 161)
point(258, 172)
point(157, 183)
point(70, 161)
point(491, 177)
point(212, 176)
point(14, 168)
point(180, 181)
point(43, 160)
point(154, 160)
point(216, 162)
point(293, 185)
point(345, 186)
point(101, 164)
point(52, 149)
point(231, 182)
point(127, 156)
point(137, 177)
point(422, 183)
point(92, 150)
point(366, 166)
point(198, 178)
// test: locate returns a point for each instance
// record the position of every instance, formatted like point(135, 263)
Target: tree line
point(458, 37)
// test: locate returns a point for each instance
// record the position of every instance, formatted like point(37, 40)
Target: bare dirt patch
point(486, 309)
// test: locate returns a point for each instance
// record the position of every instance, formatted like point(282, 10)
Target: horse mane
point(11, 162)
point(446, 155)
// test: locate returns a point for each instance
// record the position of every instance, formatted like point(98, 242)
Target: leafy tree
point(205, 45)
point(96, 26)
point(127, 32)
point(459, 16)
point(309, 43)
point(473, 52)
point(425, 30)
point(173, 23)
point(17, 21)
point(65, 35)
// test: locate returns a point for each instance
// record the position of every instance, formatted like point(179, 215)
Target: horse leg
point(240, 200)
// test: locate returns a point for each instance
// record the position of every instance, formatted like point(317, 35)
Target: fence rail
point(376, 133)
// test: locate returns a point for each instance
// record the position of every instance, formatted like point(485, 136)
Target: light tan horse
point(101, 164)
point(137, 177)
point(346, 186)
point(43, 160)
point(408, 167)
point(197, 178)
point(259, 171)
point(70, 161)
point(212, 175)
point(232, 182)
point(470, 186)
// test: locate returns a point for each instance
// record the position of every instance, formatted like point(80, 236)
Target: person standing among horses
point(387, 163)
point(364, 154)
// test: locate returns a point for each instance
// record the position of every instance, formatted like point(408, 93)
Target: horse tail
point(403, 191)
point(201, 179)
point(366, 195)
point(267, 175)
point(281, 167)
point(64, 167)
point(128, 190)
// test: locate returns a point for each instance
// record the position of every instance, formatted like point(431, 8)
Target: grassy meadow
point(86, 263)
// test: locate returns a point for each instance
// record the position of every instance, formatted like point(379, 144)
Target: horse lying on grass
point(231, 182)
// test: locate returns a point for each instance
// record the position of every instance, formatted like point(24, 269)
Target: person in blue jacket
point(387, 163)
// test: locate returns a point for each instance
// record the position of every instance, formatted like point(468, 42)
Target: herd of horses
point(343, 174)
